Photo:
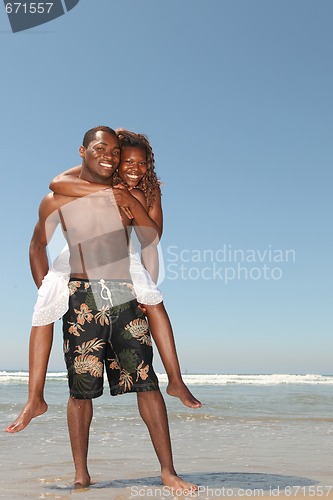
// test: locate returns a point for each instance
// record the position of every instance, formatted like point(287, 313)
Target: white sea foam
point(21, 376)
point(269, 379)
point(201, 379)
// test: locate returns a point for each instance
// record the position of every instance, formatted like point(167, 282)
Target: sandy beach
point(122, 478)
point(49, 475)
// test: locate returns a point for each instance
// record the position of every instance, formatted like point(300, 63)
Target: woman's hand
point(143, 308)
point(124, 199)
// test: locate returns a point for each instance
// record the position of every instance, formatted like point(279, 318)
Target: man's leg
point(153, 412)
point(82, 336)
point(161, 331)
point(41, 338)
point(79, 416)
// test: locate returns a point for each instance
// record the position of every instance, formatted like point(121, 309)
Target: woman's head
point(136, 168)
point(133, 165)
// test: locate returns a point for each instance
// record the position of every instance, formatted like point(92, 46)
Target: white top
point(53, 294)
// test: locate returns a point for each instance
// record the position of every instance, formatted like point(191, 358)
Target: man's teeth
point(107, 165)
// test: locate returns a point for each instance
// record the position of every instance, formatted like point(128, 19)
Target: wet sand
point(228, 456)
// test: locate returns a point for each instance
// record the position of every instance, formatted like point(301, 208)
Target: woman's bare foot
point(27, 414)
point(177, 484)
point(182, 392)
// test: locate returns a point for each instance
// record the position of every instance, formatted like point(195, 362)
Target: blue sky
point(236, 98)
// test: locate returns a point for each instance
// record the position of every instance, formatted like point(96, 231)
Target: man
point(103, 324)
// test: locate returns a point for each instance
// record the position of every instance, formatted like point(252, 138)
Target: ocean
point(254, 432)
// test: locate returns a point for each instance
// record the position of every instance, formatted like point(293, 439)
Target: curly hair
point(149, 182)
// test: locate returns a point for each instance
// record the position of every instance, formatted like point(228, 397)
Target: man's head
point(100, 153)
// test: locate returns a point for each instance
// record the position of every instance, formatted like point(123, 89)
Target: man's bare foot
point(80, 486)
point(82, 481)
point(177, 484)
point(182, 392)
point(27, 414)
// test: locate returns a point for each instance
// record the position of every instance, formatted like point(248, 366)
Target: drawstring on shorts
point(106, 290)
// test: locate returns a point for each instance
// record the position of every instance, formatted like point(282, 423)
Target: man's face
point(100, 158)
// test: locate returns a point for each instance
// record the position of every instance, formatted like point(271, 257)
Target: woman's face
point(133, 165)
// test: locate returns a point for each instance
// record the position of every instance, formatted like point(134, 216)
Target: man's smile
point(105, 164)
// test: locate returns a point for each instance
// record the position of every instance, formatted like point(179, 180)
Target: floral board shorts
point(104, 326)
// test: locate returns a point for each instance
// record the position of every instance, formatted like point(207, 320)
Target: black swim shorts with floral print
point(104, 325)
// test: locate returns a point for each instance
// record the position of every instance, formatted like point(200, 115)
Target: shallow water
point(245, 434)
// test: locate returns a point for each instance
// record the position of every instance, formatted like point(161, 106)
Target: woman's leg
point(161, 331)
point(41, 338)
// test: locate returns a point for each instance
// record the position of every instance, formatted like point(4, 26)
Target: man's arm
point(44, 229)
